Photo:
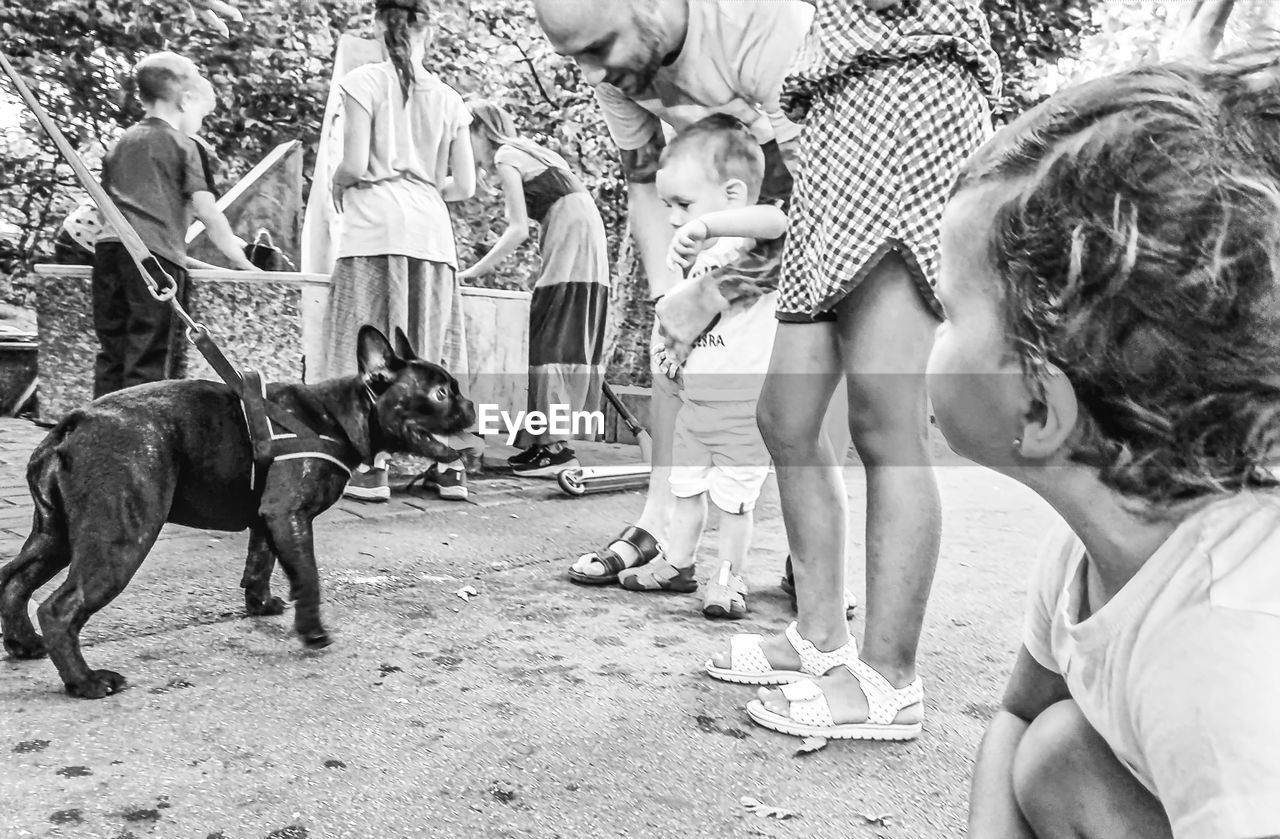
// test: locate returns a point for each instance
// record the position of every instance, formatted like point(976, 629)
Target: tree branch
point(1202, 35)
point(533, 71)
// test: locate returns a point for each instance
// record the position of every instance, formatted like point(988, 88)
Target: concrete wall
point(257, 318)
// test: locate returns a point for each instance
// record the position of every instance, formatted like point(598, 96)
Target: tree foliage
point(271, 76)
point(271, 71)
point(1031, 36)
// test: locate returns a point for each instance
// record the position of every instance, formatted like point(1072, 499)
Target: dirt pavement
point(535, 709)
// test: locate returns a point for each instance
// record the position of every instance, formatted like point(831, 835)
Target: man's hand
point(667, 361)
point(336, 191)
point(686, 244)
point(641, 165)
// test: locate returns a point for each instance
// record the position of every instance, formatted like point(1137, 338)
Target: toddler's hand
point(685, 245)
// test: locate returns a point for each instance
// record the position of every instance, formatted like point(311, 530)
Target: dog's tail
point(42, 475)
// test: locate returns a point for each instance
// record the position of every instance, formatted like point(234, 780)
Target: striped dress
point(570, 304)
point(893, 101)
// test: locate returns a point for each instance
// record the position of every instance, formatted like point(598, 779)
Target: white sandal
point(749, 666)
point(809, 714)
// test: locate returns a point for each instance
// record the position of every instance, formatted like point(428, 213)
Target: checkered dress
point(895, 102)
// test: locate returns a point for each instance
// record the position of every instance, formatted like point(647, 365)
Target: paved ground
point(535, 709)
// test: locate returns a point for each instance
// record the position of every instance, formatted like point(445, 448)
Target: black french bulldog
point(107, 478)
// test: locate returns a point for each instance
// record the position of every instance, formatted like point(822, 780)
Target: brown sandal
point(637, 537)
point(658, 575)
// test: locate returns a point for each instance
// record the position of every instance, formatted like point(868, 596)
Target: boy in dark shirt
point(155, 175)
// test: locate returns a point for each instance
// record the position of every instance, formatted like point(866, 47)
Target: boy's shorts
point(718, 450)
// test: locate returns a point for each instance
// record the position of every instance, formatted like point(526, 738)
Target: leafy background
point(272, 76)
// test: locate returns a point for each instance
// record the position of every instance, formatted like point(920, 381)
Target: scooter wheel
point(570, 481)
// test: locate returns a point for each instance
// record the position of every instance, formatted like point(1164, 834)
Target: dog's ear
point(403, 348)
point(374, 354)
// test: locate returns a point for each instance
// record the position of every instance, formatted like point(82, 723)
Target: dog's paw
point(255, 606)
point(317, 640)
point(99, 684)
point(32, 648)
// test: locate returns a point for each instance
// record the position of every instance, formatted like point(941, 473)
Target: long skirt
point(567, 316)
point(422, 298)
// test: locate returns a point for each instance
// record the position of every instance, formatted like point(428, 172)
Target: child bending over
point(1111, 280)
point(710, 179)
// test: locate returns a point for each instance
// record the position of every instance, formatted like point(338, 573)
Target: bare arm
point(219, 230)
point(760, 221)
point(993, 811)
point(355, 143)
point(648, 216)
point(517, 225)
point(461, 183)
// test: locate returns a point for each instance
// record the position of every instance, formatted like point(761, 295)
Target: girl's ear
point(1052, 418)
point(735, 189)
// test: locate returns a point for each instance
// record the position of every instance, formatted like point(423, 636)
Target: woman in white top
point(406, 151)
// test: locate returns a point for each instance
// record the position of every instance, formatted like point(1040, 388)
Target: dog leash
point(164, 289)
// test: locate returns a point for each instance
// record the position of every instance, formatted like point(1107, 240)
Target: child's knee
point(1055, 742)
point(782, 427)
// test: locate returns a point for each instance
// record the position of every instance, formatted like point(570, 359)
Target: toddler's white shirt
point(730, 360)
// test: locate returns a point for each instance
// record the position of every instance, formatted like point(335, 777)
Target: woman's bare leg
point(885, 332)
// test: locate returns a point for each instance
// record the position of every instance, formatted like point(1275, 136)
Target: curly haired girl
point(1111, 280)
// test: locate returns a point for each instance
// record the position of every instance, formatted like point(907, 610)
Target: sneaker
point(452, 484)
point(529, 455)
point(548, 464)
point(368, 485)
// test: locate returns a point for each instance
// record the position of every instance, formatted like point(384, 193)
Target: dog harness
point(275, 434)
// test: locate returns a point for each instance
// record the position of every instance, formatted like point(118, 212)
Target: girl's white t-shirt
point(1180, 671)
point(397, 208)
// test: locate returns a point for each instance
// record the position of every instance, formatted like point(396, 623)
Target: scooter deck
point(594, 479)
